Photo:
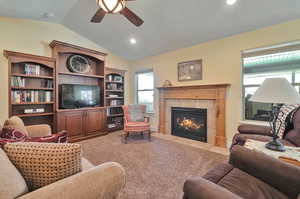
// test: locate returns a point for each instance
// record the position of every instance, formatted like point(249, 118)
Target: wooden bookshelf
point(86, 122)
point(32, 76)
point(116, 115)
point(114, 98)
point(82, 75)
point(34, 114)
point(117, 82)
point(121, 91)
point(31, 86)
point(32, 103)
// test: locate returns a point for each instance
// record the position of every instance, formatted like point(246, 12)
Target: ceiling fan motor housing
point(111, 6)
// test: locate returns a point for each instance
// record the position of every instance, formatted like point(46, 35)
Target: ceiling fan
point(115, 6)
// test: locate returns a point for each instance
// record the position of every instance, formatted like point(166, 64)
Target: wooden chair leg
point(149, 136)
point(125, 137)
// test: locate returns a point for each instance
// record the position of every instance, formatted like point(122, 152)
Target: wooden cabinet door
point(73, 122)
point(95, 121)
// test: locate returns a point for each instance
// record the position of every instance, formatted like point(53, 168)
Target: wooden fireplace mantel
point(215, 92)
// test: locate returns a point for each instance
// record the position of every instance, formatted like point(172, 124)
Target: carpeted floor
point(155, 170)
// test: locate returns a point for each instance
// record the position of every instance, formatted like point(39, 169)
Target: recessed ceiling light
point(132, 41)
point(231, 2)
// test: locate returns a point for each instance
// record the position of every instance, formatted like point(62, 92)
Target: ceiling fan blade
point(133, 18)
point(97, 18)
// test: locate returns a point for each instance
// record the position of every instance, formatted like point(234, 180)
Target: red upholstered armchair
point(135, 120)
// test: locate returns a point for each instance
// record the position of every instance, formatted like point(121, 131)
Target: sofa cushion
point(44, 163)
point(293, 136)
point(240, 139)
point(278, 174)
point(254, 129)
point(216, 174)
point(12, 184)
point(16, 123)
point(249, 187)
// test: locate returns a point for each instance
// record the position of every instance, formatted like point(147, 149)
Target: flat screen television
point(78, 96)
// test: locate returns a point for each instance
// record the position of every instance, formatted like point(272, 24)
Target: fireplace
point(189, 123)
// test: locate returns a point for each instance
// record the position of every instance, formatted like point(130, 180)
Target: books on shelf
point(116, 78)
point(18, 81)
point(113, 95)
point(116, 102)
point(31, 96)
point(21, 82)
point(47, 83)
point(114, 86)
point(32, 69)
point(115, 122)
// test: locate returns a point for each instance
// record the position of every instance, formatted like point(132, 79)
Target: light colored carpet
point(156, 169)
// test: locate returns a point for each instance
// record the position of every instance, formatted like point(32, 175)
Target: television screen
point(78, 96)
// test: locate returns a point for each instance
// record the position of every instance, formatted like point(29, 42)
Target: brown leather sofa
point(248, 175)
point(263, 133)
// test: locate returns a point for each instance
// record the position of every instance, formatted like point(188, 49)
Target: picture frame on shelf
point(118, 79)
point(190, 70)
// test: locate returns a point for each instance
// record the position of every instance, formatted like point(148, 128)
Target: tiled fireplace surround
point(185, 103)
point(210, 97)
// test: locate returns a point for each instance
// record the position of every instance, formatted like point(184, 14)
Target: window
point(280, 62)
point(145, 89)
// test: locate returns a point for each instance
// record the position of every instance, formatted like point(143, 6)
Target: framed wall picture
point(190, 70)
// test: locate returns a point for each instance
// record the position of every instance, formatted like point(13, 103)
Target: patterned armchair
point(135, 120)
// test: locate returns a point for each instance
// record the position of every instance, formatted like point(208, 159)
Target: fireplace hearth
point(189, 123)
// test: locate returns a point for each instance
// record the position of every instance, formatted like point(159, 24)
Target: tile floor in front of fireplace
point(193, 143)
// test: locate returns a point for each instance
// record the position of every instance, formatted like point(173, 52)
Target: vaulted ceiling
point(169, 24)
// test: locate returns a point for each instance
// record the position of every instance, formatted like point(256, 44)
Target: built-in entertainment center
point(73, 90)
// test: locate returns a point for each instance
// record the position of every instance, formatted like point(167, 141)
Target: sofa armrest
point(280, 175)
point(40, 130)
point(101, 182)
point(254, 129)
point(199, 188)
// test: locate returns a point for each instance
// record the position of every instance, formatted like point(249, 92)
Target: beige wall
point(221, 64)
point(221, 58)
point(34, 37)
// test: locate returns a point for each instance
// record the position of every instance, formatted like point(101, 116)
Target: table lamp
point(277, 91)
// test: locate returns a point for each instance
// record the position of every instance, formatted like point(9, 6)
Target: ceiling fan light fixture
point(111, 6)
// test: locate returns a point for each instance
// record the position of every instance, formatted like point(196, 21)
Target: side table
point(291, 155)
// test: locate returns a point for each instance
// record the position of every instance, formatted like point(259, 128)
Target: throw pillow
point(137, 113)
point(44, 163)
point(16, 123)
point(11, 133)
point(12, 184)
point(60, 137)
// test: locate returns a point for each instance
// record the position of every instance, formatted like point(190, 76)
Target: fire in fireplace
point(189, 123)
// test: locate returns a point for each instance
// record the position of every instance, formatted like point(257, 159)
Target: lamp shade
point(277, 91)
